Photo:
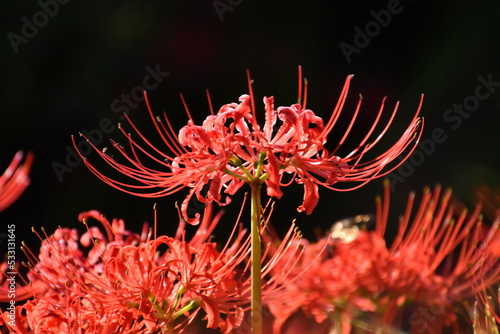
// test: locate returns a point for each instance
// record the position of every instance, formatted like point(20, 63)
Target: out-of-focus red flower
point(433, 262)
point(231, 148)
point(15, 179)
point(327, 281)
point(490, 200)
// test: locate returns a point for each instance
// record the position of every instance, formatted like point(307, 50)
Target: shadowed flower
point(15, 179)
point(491, 211)
point(230, 148)
point(432, 264)
point(485, 315)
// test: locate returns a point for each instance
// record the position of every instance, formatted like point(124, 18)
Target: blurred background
point(73, 66)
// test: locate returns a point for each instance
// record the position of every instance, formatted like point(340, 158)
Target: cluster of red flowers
point(436, 261)
point(439, 268)
point(119, 281)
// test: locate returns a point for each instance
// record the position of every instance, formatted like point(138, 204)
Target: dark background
point(65, 78)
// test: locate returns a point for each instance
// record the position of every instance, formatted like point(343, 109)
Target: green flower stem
point(255, 182)
point(256, 280)
point(237, 162)
point(236, 175)
point(178, 297)
point(337, 322)
point(258, 172)
point(191, 305)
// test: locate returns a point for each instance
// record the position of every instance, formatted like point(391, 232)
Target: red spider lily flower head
point(54, 279)
point(436, 258)
point(230, 148)
point(15, 179)
point(322, 284)
point(118, 281)
point(61, 257)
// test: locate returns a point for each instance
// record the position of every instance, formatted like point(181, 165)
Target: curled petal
point(273, 181)
point(311, 196)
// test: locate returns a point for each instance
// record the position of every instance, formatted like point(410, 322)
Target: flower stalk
point(255, 182)
point(256, 279)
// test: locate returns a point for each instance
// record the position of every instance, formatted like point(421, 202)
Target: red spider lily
point(55, 280)
point(15, 179)
point(230, 148)
point(434, 262)
point(130, 283)
point(323, 284)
